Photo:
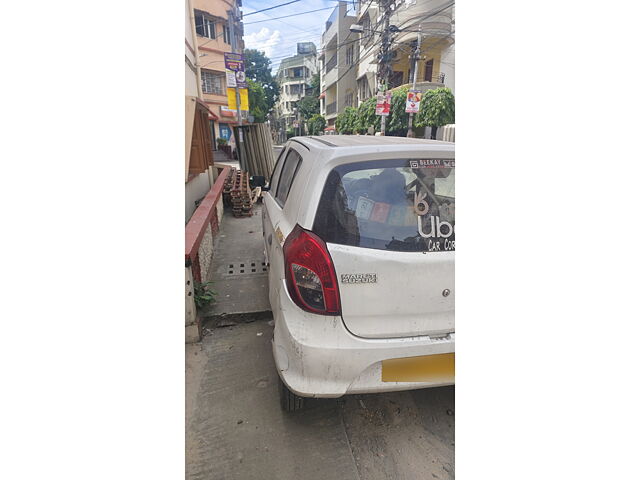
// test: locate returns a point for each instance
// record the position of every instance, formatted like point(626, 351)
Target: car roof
point(347, 141)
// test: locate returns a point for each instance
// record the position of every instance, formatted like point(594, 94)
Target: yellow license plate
point(428, 368)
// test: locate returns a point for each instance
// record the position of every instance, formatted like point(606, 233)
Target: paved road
point(236, 430)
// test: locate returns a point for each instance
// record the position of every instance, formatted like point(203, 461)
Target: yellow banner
point(244, 98)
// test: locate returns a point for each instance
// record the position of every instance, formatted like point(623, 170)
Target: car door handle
point(270, 239)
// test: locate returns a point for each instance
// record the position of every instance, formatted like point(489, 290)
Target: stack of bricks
point(240, 193)
point(228, 186)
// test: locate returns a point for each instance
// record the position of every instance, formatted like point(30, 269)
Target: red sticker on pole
point(383, 103)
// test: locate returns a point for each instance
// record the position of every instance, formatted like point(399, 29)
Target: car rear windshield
point(401, 205)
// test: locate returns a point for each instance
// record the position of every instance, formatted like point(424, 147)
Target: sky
point(278, 38)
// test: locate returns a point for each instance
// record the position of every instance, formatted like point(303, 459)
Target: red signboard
point(383, 103)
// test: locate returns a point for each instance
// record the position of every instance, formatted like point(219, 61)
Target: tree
point(315, 85)
point(398, 123)
point(347, 121)
point(258, 68)
point(309, 106)
point(437, 109)
point(367, 116)
point(257, 102)
point(316, 124)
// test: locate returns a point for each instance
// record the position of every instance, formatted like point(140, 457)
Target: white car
point(360, 236)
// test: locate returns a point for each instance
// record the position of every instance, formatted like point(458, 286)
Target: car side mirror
point(257, 181)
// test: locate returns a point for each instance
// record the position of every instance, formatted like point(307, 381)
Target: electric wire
point(287, 16)
point(270, 8)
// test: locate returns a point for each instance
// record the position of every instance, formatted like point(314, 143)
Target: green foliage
point(347, 121)
point(291, 132)
point(398, 119)
point(437, 108)
point(258, 68)
point(309, 106)
point(316, 124)
point(203, 295)
point(367, 116)
point(315, 85)
point(257, 102)
point(221, 141)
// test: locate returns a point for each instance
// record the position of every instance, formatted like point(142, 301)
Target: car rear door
point(392, 245)
point(278, 215)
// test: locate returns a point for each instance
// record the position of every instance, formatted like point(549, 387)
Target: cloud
point(263, 40)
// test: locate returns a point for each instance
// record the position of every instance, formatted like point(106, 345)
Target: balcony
point(437, 82)
point(331, 108)
point(331, 64)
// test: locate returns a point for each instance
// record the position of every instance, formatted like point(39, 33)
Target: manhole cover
point(251, 267)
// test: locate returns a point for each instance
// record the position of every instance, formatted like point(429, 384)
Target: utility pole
point(234, 49)
point(416, 57)
point(383, 66)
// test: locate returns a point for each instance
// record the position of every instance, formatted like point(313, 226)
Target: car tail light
point(311, 278)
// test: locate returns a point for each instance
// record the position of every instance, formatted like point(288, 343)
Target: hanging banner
point(244, 99)
point(383, 103)
point(231, 79)
point(234, 62)
point(413, 101)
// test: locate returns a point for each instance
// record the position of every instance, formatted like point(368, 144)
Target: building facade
point(433, 20)
point(338, 65)
point(198, 137)
point(294, 79)
point(213, 25)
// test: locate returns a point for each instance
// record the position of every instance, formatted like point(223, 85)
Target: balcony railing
point(331, 64)
point(331, 108)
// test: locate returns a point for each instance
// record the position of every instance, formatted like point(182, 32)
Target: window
point(428, 71)
point(205, 26)
point(212, 82)
point(226, 34)
point(350, 55)
point(396, 79)
point(289, 169)
point(363, 88)
point(367, 35)
point(201, 156)
point(348, 99)
point(276, 171)
point(399, 205)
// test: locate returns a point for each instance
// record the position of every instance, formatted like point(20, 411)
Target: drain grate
point(250, 267)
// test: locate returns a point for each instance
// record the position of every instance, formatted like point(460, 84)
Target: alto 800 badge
point(358, 278)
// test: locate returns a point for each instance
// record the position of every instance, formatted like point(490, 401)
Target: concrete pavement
point(236, 430)
point(238, 265)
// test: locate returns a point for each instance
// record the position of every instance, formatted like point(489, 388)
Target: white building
point(294, 77)
point(338, 65)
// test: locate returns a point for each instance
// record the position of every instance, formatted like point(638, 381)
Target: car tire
point(289, 401)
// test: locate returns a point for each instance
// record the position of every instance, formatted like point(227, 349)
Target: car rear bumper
point(316, 356)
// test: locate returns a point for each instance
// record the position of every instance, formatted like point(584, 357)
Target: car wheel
point(289, 401)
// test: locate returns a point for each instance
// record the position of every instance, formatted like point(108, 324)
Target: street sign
point(234, 62)
point(383, 103)
point(244, 99)
point(413, 101)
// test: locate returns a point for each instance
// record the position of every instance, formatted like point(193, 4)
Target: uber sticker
point(358, 278)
